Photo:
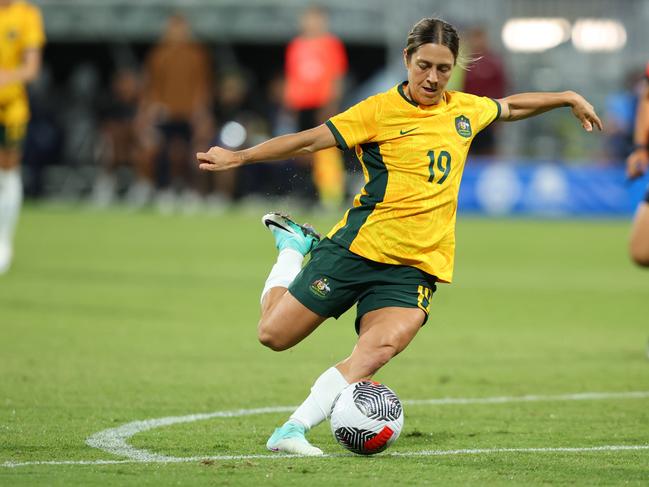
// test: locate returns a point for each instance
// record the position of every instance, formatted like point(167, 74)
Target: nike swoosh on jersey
point(404, 132)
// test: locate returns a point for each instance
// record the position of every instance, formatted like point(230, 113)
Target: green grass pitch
point(111, 317)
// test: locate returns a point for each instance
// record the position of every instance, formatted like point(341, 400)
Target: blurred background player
point(176, 100)
point(637, 164)
point(316, 63)
point(21, 41)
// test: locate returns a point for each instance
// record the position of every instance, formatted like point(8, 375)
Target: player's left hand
point(218, 159)
point(585, 112)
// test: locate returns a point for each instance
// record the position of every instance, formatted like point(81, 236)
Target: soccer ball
point(366, 417)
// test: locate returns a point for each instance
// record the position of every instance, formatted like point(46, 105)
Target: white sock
point(288, 265)
point(103, 191)
point(317, 407)
point(11, 198)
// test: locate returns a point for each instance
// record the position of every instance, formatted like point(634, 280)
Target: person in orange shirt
point(316, 63)
point(21, 40)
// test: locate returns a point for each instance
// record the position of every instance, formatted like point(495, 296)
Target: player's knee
point(640, 254)
point(269, 337)
point(640, 258)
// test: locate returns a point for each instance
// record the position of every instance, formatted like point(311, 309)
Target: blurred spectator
point(620, 117)
point(43, 145)
point(281, 122)
point(120, 145)
point(316, 63)
point(21, 41)
point(236, 122)
point(278, 115)
point(80, 125)
point(175, 103)
point(485, 77)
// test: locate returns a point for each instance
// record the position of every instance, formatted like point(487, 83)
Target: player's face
point(429, 69)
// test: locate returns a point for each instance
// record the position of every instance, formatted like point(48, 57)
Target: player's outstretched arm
point(525, 105)
point(638, 161)
point(278, 148)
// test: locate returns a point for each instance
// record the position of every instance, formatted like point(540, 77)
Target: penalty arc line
point(114, 440)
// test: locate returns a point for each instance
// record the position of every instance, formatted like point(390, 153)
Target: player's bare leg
point(384, 333)
point(144, 155)
point(639, 242)
point(284, 320)
point(11, 195)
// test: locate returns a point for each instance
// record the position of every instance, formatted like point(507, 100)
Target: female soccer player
point(637, 164)
point(21, 42)
point(398, 240)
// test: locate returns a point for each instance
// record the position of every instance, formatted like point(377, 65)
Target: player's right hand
point(637, 163)
point(218, 159)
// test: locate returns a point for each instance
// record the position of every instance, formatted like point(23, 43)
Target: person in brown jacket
point(177, 92)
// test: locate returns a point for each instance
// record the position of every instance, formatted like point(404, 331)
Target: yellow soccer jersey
point(21, 28)
point(412, 157)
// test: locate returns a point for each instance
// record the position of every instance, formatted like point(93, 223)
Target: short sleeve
point(357, 125)
point(34, 32)
point(487, 111)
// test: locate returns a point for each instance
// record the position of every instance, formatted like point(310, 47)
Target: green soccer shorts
point(12, 136)
point(335, 279)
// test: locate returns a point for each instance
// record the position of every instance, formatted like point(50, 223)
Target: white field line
point(114, 440)
point(422, 453)
point(584, 396)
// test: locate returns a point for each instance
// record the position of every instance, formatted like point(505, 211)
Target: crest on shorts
point(320, 287)
point(463, 126)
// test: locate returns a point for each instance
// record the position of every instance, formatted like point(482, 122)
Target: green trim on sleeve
point(499, 109)
point(336, 134)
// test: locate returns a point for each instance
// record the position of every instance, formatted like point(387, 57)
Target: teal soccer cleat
point(290, 439)
point(290, 235)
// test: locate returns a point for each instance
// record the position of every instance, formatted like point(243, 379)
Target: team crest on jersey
point(320, 287)
point(463, 126)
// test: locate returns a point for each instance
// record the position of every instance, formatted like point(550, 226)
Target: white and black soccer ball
point(366, 417)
